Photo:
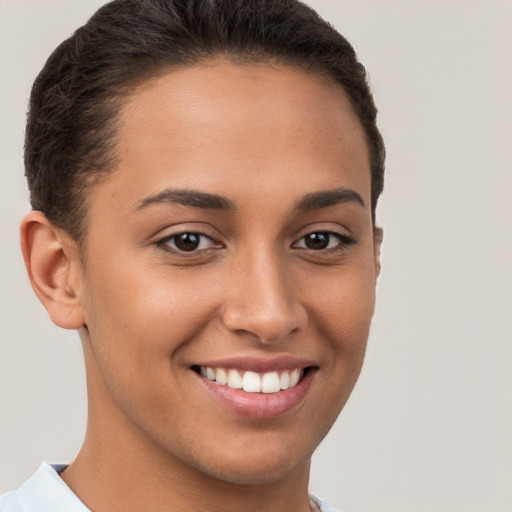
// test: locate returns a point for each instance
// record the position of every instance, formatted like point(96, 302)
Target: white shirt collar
point(44, 491)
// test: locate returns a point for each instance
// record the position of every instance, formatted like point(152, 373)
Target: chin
point(249, 472)
point(257, 461)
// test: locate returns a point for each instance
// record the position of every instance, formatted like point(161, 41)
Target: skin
point(263, 137)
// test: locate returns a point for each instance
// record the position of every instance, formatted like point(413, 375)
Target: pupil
point(187, 241)
point(317, 240)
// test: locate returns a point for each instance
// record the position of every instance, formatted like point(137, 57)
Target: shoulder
point(44, 491)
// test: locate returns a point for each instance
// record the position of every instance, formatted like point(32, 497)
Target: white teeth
point(294, 377)
point(252, 382)
point(284, 381)
point(221, 376)
point(234, 380)
point(270, 383)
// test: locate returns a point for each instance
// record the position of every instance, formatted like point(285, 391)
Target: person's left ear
point(378, 235)
point(54, 267)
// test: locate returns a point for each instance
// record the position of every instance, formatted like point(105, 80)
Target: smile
point(257, 388)
point(253, 382)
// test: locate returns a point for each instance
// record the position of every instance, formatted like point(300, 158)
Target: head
point(205, 175)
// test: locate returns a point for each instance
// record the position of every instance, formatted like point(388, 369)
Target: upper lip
point(258, 364)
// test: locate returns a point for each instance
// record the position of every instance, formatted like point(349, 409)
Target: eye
point(187, 242)
point(323, 240)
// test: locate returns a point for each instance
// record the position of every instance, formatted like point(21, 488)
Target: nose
point(261, 301)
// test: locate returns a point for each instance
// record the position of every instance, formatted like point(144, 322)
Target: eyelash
point(165, 242)
point(343, 242)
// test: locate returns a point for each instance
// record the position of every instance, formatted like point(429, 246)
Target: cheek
point(145, 318)
point(138, 329)
point(342, 308)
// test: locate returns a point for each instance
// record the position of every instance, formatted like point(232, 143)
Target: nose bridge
point(261, 300)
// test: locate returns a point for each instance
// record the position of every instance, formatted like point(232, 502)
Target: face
point(232, 248)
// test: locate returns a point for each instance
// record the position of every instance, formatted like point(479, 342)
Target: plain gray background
point(428, 428)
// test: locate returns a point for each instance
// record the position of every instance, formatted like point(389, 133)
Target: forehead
point(221, 126)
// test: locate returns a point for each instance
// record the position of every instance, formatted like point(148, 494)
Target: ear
point(54, 268)
point(378, 235)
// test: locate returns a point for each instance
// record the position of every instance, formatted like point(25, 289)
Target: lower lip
point(259, 405)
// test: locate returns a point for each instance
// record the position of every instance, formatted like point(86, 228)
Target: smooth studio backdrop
point(429, 426)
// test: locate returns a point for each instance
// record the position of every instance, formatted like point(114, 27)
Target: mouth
point(255, 391)
point(253, 382)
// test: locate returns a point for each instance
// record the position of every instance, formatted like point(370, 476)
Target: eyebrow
point(205, 200)
point(325, 198)
point(187, 197)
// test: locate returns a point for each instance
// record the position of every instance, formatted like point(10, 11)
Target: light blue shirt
point(45, 491)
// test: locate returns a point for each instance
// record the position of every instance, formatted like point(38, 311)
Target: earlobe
point(378, 235)
point(53, 266)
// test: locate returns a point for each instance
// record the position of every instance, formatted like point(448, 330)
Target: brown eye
point(317, 240)
point(187, 242)
point(324, 241)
